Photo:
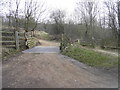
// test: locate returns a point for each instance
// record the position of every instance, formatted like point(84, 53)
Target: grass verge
point(6, 52)
point(90, 57)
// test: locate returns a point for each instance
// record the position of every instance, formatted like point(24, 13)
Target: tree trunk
point(119, 38)
point(119, 24)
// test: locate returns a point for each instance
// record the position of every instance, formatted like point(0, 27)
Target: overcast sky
point(67, 5)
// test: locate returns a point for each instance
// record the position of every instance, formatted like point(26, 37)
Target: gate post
point(17, 40)
point(1, 54)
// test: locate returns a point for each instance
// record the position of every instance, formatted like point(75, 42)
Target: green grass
point(43, 35)
point(8, 52)
point(90, 57)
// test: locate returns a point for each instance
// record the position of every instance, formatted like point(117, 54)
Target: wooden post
point(62, 37)
point(17, 40)
point(79, 41)
point(61, 44)
point(0, 53)
point(0, 37)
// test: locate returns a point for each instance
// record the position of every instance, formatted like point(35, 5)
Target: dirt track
point(52, 71)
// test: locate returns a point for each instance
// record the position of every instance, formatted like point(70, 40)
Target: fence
point(11, 39)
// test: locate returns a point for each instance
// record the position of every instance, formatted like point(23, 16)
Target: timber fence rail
point(11, 39)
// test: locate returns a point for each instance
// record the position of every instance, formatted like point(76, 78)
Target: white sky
point(67, 5)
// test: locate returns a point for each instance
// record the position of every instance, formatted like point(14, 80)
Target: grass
point(43, 35)
point(7, 52)
point(90, 57)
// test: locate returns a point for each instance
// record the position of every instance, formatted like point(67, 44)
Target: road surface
point(52, 70)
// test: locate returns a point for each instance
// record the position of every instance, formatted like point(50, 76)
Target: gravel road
point(52, 70)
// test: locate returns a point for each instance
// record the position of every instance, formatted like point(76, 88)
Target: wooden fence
point(11, 39)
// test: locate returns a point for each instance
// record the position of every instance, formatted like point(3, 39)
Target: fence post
point(0, 54)
point(17, 40)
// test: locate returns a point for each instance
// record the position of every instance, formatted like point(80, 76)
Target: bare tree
point(17, 14)
point(6, 5)
point(34, 11)
point(118, 3)
point(58, 19)
point(9, 17)
point(88, 11)
point(112, 17)
point(119, 14)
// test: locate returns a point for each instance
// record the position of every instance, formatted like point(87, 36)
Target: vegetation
point(8, 42)
point(58, 19)
point(90, 57)
point(91, 24)
point(43, 35)
point(31, 42)
point(7, 52)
